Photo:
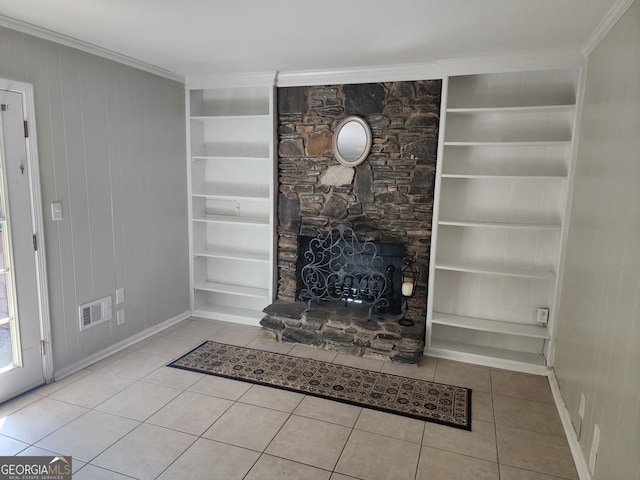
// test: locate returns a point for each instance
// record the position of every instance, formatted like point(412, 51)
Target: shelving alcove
point(231, 188)
point(499, 222)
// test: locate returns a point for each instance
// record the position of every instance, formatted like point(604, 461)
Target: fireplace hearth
point(332, 326)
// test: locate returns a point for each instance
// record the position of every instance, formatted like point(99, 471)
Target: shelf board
point(514, 109)
point(232, 150)
point(505, 177)
point(493, 326)
point(231, 254)
point(518, 226)
point(442, 348)
point(240, 290)
point(232, 219)
point(496, 270)
point(248, 116)
point(235, 158)
point(225, 313)
point(533, 143)
point(232, 192)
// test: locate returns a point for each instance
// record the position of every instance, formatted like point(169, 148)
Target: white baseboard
point(578, 456)
point(91, 359)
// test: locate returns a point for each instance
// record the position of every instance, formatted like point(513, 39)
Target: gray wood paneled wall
point(111, 142)
point(598, 349)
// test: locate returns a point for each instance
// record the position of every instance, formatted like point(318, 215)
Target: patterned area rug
point(433, 402)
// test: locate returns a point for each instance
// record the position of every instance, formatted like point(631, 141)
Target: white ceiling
point(193, 37)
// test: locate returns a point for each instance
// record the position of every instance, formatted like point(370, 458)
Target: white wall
point(598, 350)
point(111, 143)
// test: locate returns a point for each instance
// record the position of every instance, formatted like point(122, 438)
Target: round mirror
point(352, 141)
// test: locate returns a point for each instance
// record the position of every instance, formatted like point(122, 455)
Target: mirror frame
point(367, 149)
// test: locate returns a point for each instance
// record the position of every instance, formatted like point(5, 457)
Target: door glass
point(7, 358)
point(6, 345)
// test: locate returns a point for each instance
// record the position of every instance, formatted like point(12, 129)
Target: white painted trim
point(37, 224)
point(254, 79)
point(607, 23)
point(486, 361)
point(578, 456)
point(188, 166)
point(435, 210)
point(388, 73)
point(226, 317)
point(46, 34)
point(436, 69)
point(273, 191)
point(556, 59)
point(564, 238)
point(107, 352)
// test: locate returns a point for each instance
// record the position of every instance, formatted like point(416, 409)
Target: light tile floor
point(130, 416)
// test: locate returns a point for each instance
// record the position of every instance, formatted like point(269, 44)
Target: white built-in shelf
point(514, 109)
point(508, 143)
point(479, 224)
point(505, 177)
point(238, 159)
point(499, 125)
point(497, 241)
point(213, 252)
point(226, 118)
point(231, 188)
point(233, 151)
point(445, 348)
point(230, 289)
point(506, 270)
point(227, 313)
point(229, 103)
point(492, 326)
point(231, 192)
point(231, 219)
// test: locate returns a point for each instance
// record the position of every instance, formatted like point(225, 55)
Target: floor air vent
point(95, 312)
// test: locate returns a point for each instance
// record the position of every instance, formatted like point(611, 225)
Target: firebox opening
point(351, 280)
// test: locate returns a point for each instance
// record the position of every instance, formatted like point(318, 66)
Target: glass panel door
point(9, 354)
point(21, 359)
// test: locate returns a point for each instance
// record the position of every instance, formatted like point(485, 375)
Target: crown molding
point(554, 59)
point(46, 34)
point(607, 23)
point(387, 73)
point(250, 79)
point(570, 58)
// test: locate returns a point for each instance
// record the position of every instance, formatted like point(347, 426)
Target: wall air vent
point(95, 312)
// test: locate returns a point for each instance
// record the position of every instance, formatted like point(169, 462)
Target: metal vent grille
point(95, 312)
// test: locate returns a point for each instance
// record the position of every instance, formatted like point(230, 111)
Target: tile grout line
point(424, 428)
point(263, 452)
point(495, 421)
point(352, 428)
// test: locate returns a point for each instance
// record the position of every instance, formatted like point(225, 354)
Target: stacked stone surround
point(388, 198)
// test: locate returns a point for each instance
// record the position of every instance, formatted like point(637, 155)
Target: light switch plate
point(119, 295)
point(56, 211)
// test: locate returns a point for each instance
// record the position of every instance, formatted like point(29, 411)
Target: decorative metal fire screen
point(340, 267)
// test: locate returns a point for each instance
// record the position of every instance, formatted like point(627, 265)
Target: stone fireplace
point(387, 199)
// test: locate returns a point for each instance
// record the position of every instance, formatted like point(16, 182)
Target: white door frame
point(36, 220)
